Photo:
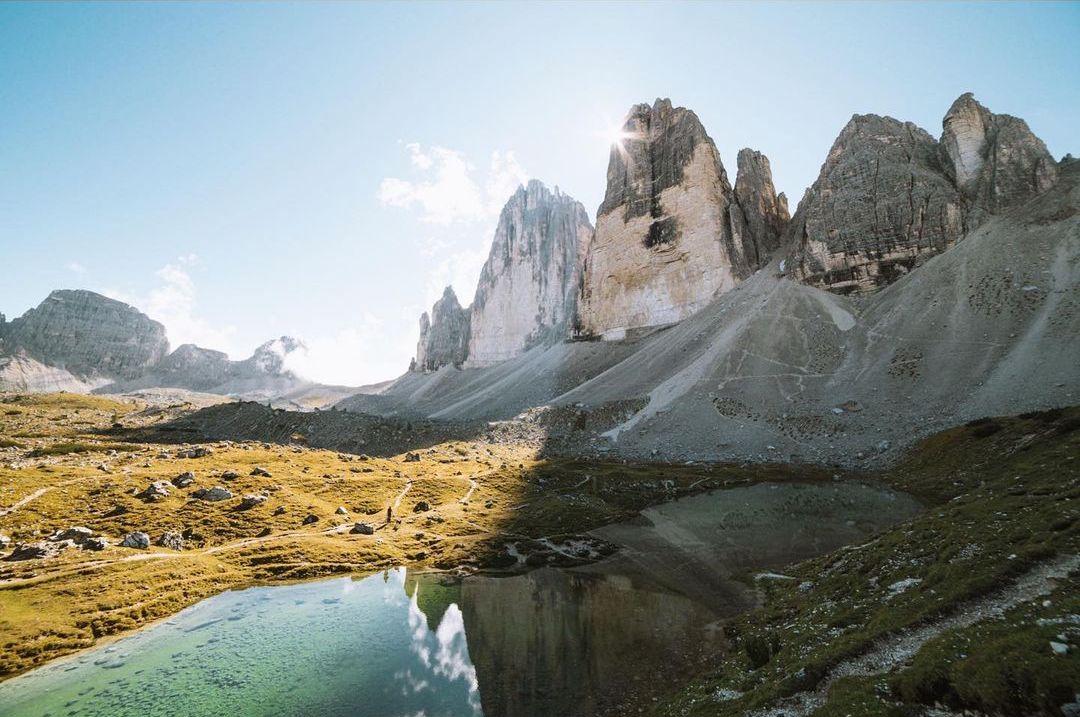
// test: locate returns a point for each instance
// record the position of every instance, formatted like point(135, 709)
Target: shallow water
point(550, 642)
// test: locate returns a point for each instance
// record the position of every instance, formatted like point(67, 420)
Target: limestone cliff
point(765, 213)
point(527, 293)
point(995, 160)
point(444, 336)
point(669, 234)
point(890, 196)
point(87, 335)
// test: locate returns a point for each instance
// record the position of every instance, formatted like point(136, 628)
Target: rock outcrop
point(994, 160)
point(890, 196)
point(669, 233)
point(87, 335)
point(444, 336)
point(527, 294)
point(766, 213)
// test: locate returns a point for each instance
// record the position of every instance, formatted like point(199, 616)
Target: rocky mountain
point(444, 336)
point(890, 196)
point(528, 287)
point(971, 242)
point(86, 334)
point(670, 234)
point(80, 341)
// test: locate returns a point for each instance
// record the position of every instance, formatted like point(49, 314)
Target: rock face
point(765, 213)
point(87, 334)
point(444, 337)
point(890, 196)
point(527, 294)
point(669, 233)
point(994, 160)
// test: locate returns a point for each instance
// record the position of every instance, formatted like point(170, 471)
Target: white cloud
point(448, 190)
point(75, 268)
point(173, 302)
point(366, 352)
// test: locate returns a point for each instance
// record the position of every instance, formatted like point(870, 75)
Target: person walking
point(389, 514)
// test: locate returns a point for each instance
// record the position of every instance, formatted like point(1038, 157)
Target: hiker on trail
point(389, 513)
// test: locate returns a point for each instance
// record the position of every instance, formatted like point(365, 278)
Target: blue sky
point(240, 171)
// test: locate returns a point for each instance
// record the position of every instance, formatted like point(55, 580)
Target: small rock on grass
point(137, 539)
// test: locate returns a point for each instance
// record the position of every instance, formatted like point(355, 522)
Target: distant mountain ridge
point(78, 340)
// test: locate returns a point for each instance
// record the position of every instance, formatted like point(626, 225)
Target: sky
point(240, 171)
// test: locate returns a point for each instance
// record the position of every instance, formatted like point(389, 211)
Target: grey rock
point(341, 510)
point(87, 335)
point(890, 196)
point(96, 543)
point(363, 529)
point(309, 519)
point(171, 540)
point(230, 475)
point(137, 539)
point(880, 206)
point(994, 160)
point(527, 293)
point(412, 457)
point(77, 535)
point(421, 506)
point(36, 551)
point(444, 336)
point(217, 493)
point(669, 233)
point(184, 479)
point(765, 212)
point(260, 471)
point(250, 501)
point(195, 452)
point(156, 491)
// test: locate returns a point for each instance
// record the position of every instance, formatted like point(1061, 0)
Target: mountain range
point(921, 282)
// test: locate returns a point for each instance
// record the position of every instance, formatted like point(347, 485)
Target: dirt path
point(889, 653)
point(473, 483)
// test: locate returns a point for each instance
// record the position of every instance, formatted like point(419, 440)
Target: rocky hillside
point(670, 233)
point(890, 196)
point(527, 294)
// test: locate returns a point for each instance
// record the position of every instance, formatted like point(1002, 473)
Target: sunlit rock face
point(87, 335)
point(669, 236)
point(995, 160)
point(527, 294)
point(444, 336)
point(890, 196)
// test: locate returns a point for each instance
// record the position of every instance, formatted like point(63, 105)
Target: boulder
point(184, 479)
point(171, 540)
point(78, 535)
point(250, 501)
point(156, 491)
point(230, 475)
point(217, 493)
point(260, 471)
point(137, 539)
point(421, 506)
point(341, 510)
point(309, 519)
point(363, 529)
point(95, 543)
point(36, 551)
point(195, 452)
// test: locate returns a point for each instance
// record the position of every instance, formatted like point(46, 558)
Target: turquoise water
point(390, 645)
point(335, 647)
